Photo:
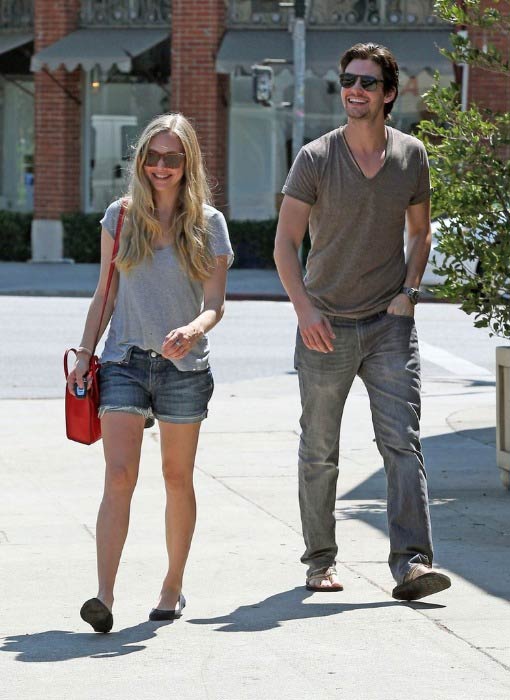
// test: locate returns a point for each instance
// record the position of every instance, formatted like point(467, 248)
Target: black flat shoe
point(157, 615)
point(95, 612)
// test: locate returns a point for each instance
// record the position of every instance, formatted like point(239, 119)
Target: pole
point(465, 77)
point(298, 122)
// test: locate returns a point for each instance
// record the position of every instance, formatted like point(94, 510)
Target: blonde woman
point(168, 291)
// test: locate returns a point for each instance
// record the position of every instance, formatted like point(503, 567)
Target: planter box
point(503, 413)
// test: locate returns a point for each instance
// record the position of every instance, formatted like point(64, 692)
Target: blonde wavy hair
point(189, 224)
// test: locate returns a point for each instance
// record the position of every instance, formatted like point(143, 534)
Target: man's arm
point(419, 238)
point(315, 329)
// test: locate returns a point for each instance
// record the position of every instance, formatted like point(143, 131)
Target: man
point(355, 187)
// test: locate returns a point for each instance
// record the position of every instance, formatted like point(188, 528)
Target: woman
point(168, 291)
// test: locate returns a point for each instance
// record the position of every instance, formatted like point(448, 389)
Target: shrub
point(470, 171)
point(82, 240)
point(252, 241)
point(15, 238)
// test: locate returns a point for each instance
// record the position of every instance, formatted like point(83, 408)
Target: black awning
point(99, 47)
point(415, 50)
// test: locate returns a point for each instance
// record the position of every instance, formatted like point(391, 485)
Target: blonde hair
point(189, 224)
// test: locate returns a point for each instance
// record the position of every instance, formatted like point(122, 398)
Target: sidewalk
point(250, 629)
point(79, 279)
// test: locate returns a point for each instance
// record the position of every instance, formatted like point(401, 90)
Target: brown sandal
point(313, 582)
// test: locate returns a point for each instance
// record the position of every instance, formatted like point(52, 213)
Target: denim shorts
point(147, 384)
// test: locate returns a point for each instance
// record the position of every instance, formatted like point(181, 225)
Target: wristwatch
point(413, 294)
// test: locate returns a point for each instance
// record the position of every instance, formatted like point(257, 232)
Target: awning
point(9, 42)
point(414, 50)
point(102, 47)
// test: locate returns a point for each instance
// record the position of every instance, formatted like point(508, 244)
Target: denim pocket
point(400, 317)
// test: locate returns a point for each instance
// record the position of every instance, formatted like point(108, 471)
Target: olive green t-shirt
point(356, 264)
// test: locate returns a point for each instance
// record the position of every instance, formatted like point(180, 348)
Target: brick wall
point(486, 88)
point(197, 90)
point(57, 117)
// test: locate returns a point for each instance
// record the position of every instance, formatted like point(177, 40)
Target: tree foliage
point(470, 171)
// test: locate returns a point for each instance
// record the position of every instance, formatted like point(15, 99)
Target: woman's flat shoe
point(157, 615)
point(95, 612)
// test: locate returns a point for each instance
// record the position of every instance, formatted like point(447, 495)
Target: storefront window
point(118, 111)
point(260, 138)
point(16, 144)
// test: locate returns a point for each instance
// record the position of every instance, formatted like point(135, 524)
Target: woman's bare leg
point(178, 450)
point(122, 442)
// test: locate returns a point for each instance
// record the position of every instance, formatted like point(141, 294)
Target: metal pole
point(465, 77)
point(298, 122)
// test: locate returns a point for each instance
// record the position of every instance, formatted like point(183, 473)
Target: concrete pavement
point(250, 628)
point(80, 279)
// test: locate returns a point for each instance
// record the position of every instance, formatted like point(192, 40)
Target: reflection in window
point(16, 145)
point(119, 112)
point(260, 138)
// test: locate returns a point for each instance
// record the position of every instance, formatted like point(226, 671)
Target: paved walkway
point(250, 628)
point(80, 279)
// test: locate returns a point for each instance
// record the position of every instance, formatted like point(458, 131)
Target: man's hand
point(401, 305)
point(316, 331)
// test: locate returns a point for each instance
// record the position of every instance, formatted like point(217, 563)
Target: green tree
point(470, 172)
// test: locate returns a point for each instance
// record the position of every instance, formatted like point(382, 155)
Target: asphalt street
point(255, 339)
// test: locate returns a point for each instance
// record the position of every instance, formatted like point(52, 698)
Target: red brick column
point(486, 88)
point(57, 132)
point(196, 89)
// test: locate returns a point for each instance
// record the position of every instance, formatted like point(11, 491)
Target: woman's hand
point(79, 371)
point(179, 342)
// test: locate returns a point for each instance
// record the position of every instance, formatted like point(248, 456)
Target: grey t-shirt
point(157, 296)
point(356, 264)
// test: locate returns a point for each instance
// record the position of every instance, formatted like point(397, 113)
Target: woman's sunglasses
point(368, 82)
point(170, 160)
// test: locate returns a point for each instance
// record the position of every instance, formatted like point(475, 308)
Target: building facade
point(79, 80)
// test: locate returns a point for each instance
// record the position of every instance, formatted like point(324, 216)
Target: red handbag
point(82, 422)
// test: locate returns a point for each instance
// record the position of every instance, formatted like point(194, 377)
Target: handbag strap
point(120, 221)
point(92, 366)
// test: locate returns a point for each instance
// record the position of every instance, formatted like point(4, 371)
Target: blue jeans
point(383, 351)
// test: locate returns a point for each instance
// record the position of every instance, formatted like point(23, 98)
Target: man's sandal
point(325, 581)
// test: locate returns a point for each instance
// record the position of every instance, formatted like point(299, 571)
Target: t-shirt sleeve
point(301, 182)
point(111, 215)
point(219, 238)
point(422, 191)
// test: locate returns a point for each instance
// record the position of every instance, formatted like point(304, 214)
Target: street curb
point(230, 296)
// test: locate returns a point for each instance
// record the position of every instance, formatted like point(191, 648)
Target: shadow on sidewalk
point(468, 504)
point(62, 645)
point(288, 605)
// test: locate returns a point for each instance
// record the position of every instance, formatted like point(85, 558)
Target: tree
point(470, 172)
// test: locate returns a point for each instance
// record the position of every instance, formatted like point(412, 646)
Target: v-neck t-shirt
point(157, 296)
point(356, 264)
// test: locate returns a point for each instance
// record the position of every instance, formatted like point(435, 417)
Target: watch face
point(413, 294)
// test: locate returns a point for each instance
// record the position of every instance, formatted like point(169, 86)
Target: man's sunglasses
point(170, 160)
point(368, 82)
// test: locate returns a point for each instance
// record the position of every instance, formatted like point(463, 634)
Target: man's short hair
point(383, 57)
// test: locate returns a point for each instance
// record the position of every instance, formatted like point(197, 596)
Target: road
point(255, 339)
